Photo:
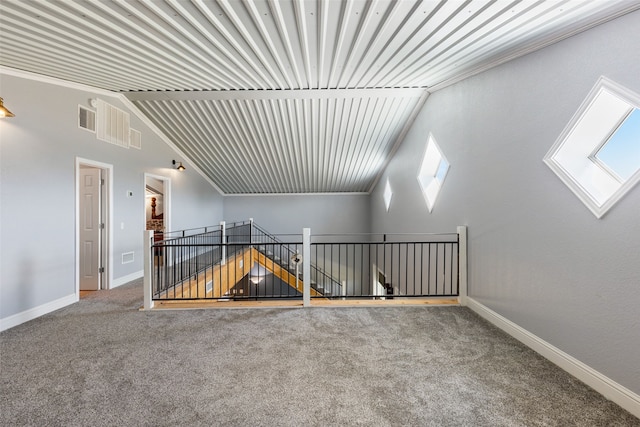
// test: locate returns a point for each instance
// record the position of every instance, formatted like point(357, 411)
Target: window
point(598, 154)
point(620, 154)
point(387, 195)
point(433, 172)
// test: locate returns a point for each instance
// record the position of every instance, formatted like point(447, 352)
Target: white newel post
point(148, 269)
point(462, 263)
point(223, 242)
point(375, 285)
point(306, 267)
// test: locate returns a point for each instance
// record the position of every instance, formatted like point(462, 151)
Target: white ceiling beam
point(217, 95)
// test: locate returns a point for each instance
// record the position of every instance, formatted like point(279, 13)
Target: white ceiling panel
point(305, 141)
point(283, 96)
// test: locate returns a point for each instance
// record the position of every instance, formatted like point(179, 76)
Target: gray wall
point(537, 255)
point(339, 213)
point(38, 151)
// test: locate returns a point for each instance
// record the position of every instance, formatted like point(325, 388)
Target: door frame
point(107, 210)
point(166, 200)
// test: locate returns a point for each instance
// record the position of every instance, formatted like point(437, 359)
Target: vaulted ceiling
point(283, 96)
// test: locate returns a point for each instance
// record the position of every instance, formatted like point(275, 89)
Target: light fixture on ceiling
point(257, 273)
point(256, 279)
point(179, 167)
point(4, 112)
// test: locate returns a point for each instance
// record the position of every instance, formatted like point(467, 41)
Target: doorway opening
point(157, 207)
point(93, 226)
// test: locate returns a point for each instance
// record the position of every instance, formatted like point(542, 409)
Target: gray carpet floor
point(102, 362)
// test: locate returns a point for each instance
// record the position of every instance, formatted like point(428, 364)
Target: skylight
point(387, 195)
point(433, 172)
point(598, 154)
point(621, 153)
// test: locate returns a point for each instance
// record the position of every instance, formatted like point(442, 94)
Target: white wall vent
point(127, 257)
point(135, 139)
point(86, 119)
point(113, 125)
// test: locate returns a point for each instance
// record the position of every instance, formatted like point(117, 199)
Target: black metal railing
point(183, 254)
point(243, 261)
point(391, 267)
point(240, 262)
point(321, 282)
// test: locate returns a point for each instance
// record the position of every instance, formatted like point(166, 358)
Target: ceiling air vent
point(86, 119)
point(113, 125)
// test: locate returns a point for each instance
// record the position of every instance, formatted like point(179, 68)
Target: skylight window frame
point(594, 156)
point(593, 169)
point(433, 177)
point(387, 195)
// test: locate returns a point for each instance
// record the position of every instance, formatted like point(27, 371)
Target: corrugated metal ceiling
point(283, 96)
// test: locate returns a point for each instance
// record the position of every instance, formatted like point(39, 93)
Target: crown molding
point(353, 193)
point(56, 81)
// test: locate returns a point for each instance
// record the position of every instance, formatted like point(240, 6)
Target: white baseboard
point(599, 382)
point(126, 279)
point(41, 310)
point(32, 313)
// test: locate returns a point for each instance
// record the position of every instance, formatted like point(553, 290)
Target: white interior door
point(90, 228)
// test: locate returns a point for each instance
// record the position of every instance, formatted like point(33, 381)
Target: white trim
point(108, 221)
point(220, 95)
point(306, 267)
point(166, 200)
point(571, 156)
point(462, 265)
point(295, 194)
point(55, 81)
point(610, 389)
point(35, 312)
point(422, 176)
point(148, 270)
point(126, 279)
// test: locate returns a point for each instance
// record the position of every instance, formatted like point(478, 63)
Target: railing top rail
point(387, 242)
point(172, 243)
point(190, 232)
point(236, 224)
point(384, 234)
point(206, 227)
point(362, 238)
